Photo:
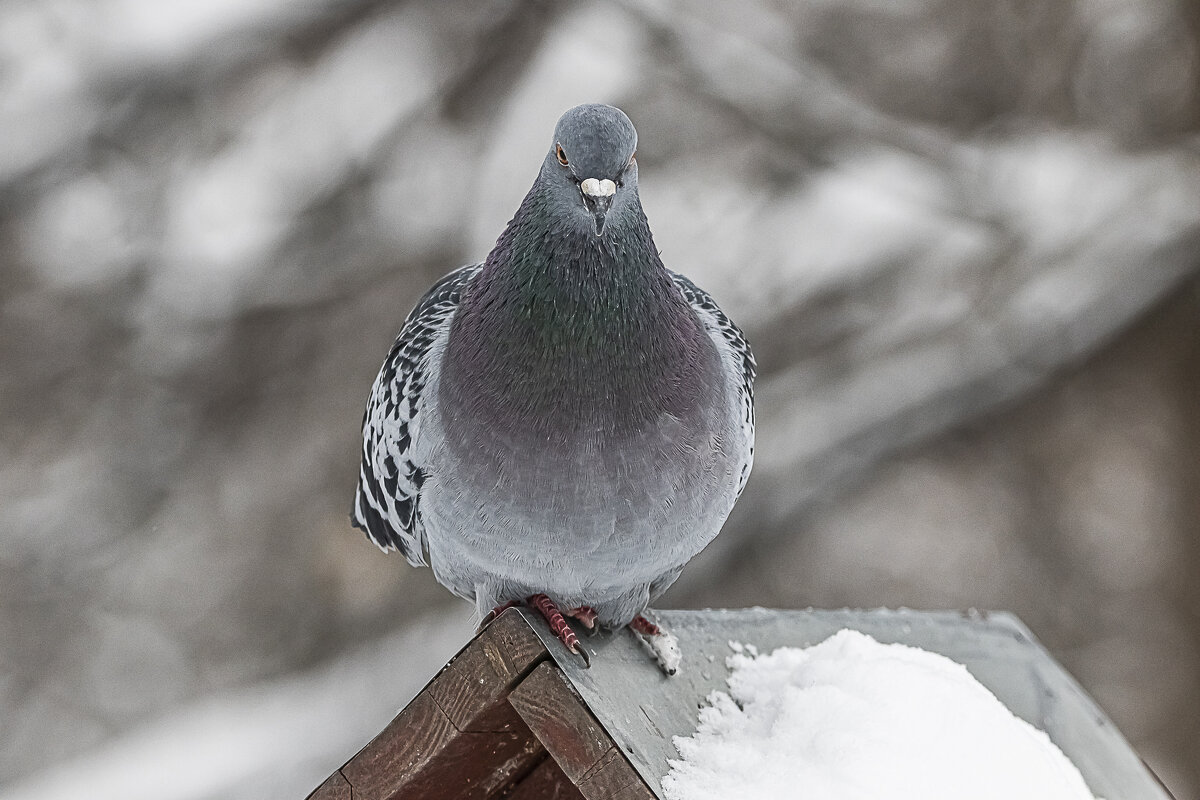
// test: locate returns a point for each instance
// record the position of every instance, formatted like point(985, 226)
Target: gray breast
point(594, 519)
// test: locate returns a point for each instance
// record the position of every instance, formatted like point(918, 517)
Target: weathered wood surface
point(546, 782)
point(423, 755)
point(585, 752)
point(471, 688)
point(458, 738)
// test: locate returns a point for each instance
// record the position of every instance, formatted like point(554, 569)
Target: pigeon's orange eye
point(562, 157)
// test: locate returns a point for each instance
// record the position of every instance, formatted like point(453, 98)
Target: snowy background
point(962, 235)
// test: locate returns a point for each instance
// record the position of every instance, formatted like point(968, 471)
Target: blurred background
point(962, 235)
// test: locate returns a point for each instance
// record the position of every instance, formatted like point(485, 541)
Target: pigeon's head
point(591, 163)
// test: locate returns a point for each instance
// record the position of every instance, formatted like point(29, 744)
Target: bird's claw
point(558, 626)
point(582, 652)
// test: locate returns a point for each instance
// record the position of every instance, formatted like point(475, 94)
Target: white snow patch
point(852, 718)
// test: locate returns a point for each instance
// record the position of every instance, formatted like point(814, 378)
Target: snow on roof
point(851, 718)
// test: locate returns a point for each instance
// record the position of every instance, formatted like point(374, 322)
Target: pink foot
point(644, 626)
point(545, 606)
point(586, 615)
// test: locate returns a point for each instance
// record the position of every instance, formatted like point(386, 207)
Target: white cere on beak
point(595, 188)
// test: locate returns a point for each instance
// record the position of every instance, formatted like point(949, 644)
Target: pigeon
point(569, 422)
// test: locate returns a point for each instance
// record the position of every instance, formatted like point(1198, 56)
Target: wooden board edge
point(574, 738)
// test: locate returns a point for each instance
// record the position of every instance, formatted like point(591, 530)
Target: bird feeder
point(515, 716)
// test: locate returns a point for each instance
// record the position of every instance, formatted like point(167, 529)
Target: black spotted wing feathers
point(387, 504)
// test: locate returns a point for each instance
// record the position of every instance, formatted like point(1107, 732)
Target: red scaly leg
point(586, 615)
point(644, 626)
point(545, 606)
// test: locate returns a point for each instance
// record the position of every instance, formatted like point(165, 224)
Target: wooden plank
point(506, 767)
point(584, 751)
point(556, 715)
point(458, 738)
point(335, 787)
point(406, 747)
point(613, 778)
point(471, 689)
point(546, 782)
point(422, 755)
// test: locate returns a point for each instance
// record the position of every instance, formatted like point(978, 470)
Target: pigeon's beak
point(597, 196)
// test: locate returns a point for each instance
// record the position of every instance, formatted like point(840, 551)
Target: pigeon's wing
point(734, 348)
point(387, 505)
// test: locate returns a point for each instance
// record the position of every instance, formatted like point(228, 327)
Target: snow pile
point(852, 718)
